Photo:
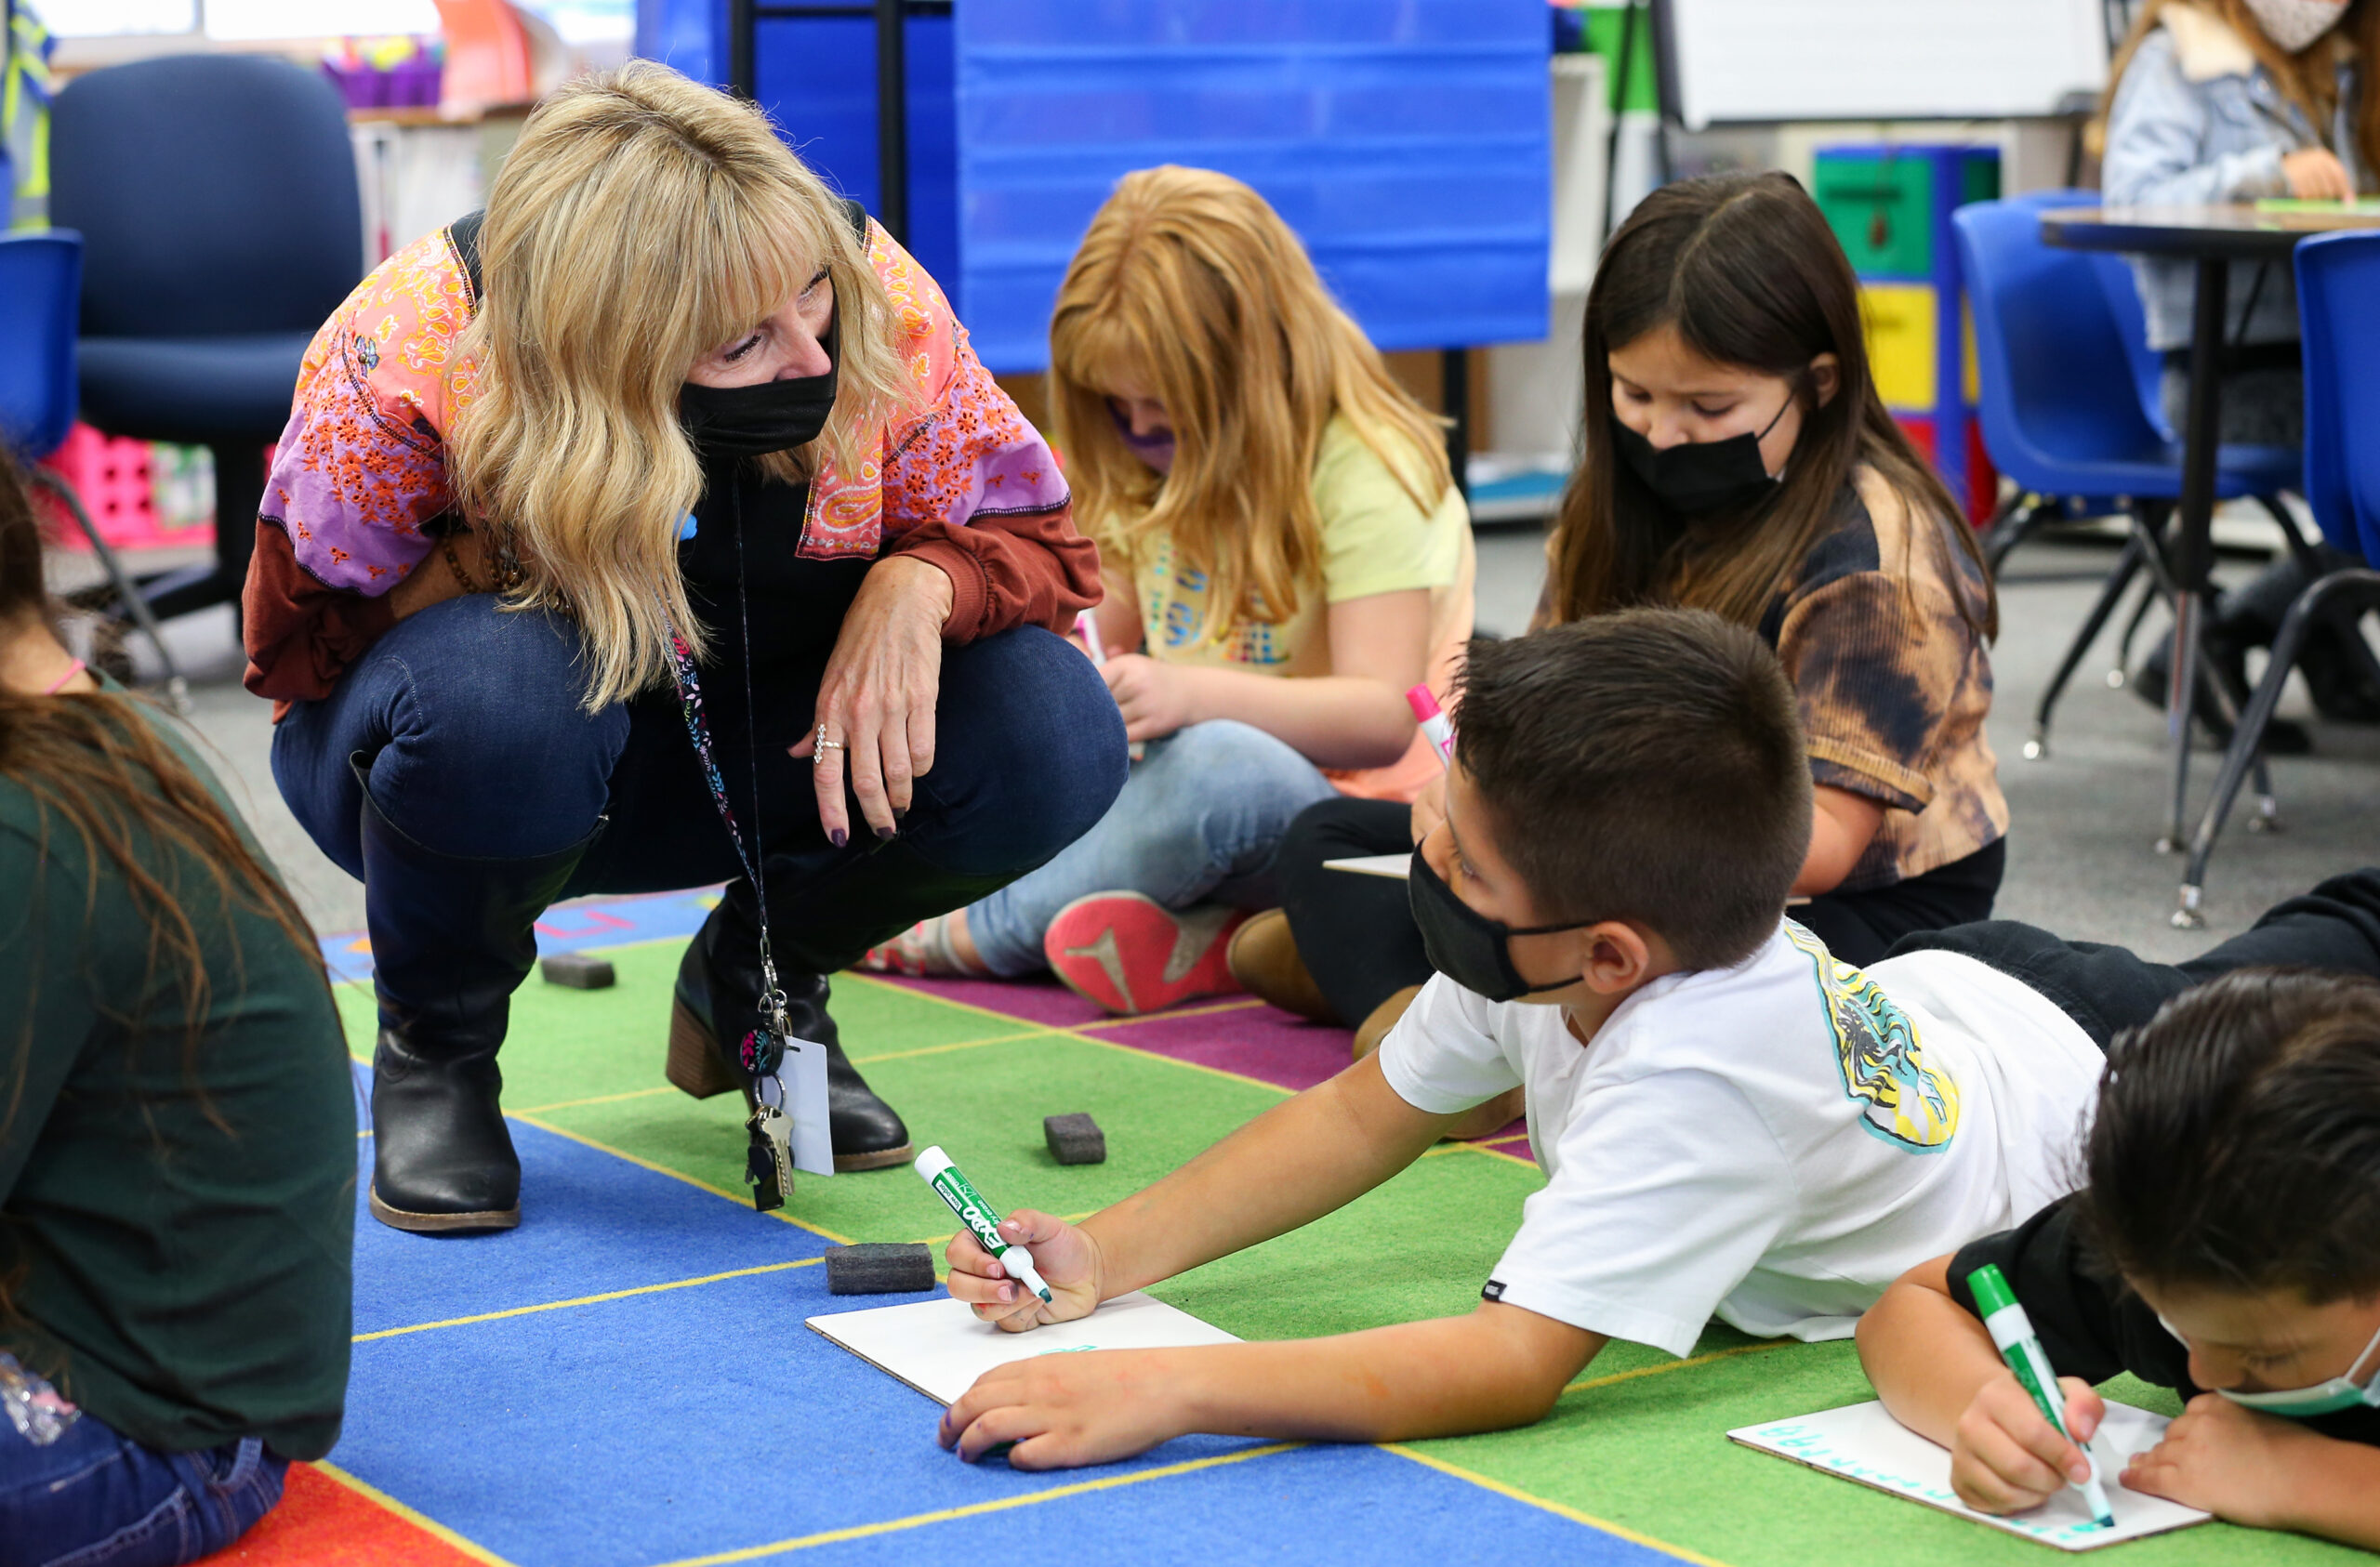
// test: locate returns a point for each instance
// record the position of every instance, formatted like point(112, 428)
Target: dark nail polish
point(888, 832)
point(839, 837)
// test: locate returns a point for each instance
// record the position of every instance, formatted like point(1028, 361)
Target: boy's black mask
point(1468, 947)
point(1698, 476)
point(755, 421)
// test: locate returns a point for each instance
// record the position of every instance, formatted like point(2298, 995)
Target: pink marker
point(1433, 720)
point(1087, 627)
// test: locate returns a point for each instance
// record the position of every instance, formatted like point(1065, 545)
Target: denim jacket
point(2196, 120)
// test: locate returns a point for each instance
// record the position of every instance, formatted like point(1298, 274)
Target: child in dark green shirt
point(177, 1127)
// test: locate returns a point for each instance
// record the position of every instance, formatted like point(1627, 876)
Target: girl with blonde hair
point(1285, 553)
point(638, 533)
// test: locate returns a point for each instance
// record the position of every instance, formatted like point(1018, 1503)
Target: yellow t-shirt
point(1374, 539)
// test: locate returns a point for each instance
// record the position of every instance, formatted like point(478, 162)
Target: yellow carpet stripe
point(591, 1299)
point(1556, 1508)
point(593, 1098)
point(1078, 1036)
point(956, 1044)
point(978, 1510)
point(697, 1184)
point(1680, 1365)
point(1240, 1004)
point(422, 1522)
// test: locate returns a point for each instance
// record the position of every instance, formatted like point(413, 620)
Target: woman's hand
point(2315, 175)
point(877, 697)
point(1154, 697)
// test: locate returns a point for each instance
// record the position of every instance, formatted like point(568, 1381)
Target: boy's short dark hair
point(2237, 1143)
point(1645, 765)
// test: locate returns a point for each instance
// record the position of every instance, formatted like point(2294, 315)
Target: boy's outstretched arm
point(1499, 1366)
point(2247, 1466)
point(1303, 1158)
point(1935, 1367)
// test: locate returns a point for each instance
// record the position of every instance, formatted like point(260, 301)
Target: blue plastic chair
point(40, 280)
point(2069, 407)
point(217, 195)
point(2338, 310)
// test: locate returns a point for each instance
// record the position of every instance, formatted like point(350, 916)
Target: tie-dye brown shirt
point(1894, 684)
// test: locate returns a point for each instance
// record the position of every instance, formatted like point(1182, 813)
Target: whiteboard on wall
point(1753, 60)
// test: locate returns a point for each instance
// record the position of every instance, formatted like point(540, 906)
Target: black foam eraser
point(903, 1267)
point(1075, 1140)
point(578, 971)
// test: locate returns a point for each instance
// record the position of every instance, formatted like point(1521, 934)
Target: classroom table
point(2212, 236)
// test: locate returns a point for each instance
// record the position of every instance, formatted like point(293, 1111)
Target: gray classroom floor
point(2081, 858)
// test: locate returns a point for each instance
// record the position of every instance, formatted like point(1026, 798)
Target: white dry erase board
point(1863, 1444)
point(1769, 60)
point(938, 1348)
point(1396, 867)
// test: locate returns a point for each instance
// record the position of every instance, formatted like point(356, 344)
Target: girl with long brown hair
point(1737, 459)
point(177, 1126)
point(1284, 555)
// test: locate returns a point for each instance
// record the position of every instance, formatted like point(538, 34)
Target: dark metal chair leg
point(2119, 582)
point(2359, 583)
point(126, 591)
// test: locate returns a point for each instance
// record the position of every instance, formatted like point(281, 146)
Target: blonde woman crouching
point(1286, 555)
point(669, 418)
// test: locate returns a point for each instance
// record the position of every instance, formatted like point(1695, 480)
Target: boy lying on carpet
point(2228, 1239)
point(1731, 1122)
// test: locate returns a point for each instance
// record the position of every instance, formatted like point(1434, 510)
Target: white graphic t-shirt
point(1772, 1143)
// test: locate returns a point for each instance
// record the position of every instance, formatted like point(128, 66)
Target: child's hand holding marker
point(1066, 1259)
point(2006, 1456)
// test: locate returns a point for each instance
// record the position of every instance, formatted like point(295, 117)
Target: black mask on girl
point(754, 421)
point(1698, 476)
point(1468, 947)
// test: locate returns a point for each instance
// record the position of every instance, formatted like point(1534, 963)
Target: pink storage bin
point(117, 481)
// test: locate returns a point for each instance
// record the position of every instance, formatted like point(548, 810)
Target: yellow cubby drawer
point(1903, 348)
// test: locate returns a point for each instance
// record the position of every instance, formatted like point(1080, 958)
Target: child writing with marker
point(1737, 459)
point(2238, 100)
point(2227, 1246)
point(1286, 555)
point(1731, 1120)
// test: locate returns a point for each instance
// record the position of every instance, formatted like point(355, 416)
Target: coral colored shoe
point(1130, 954)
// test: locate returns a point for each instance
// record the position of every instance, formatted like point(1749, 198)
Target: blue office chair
point(2338, 310)
point(40, 276)
point(218, 202)
point(2069, 407)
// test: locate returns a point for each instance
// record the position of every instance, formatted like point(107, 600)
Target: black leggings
point(2107, 990)
point(1356, 936)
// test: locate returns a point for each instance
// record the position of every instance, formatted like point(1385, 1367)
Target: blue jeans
point(95, 1498)
point(466, 721)
point(1198, 821)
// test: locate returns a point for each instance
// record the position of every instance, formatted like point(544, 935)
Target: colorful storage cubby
point(117, 481)
point(1891, 208)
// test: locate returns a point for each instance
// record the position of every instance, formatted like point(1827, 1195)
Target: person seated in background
point(1731, 1118)
point(177, 1148)
point(1268, 504)
point(1738, 459)
point(2227, 1246)
point(2238, 100)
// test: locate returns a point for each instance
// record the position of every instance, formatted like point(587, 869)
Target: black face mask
point(755, 421)
point(1468, 947)
point(1697, 476)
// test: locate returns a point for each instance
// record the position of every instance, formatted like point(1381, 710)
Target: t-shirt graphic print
point(1883, 1063)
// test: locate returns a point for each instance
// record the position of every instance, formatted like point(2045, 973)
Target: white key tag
point(803, 1075)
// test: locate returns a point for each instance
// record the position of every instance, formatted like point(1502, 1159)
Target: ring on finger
point(821, 746)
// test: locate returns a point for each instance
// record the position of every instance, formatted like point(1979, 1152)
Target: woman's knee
point(1027, 738)
point(470, 723)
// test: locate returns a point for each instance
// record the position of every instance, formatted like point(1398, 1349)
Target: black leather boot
point(450, 942)
point(718, 1003)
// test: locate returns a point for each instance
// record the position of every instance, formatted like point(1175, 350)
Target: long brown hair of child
point(1747, 271)
point(2308, 78)
point(101, 772)
point(1189, 279)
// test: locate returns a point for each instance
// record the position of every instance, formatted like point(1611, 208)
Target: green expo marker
point(2012, 1332)
point(977, 1215)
